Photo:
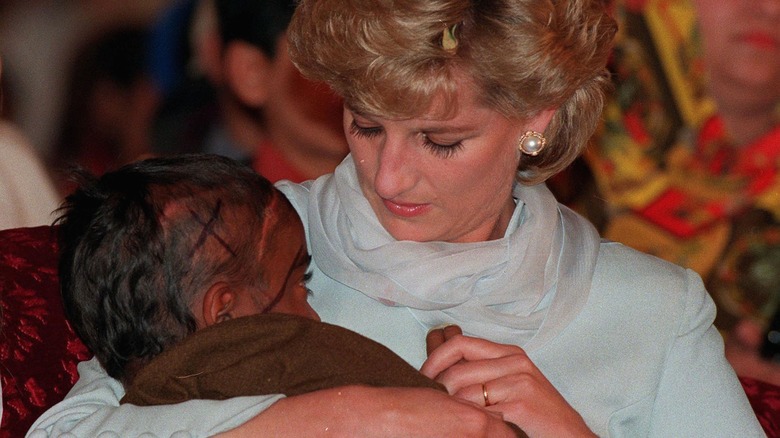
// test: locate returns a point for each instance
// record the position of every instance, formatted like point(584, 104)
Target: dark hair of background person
point(6, 96)
point(133, 251)
point(190, 106)
point(103, 75)
point(259, 23)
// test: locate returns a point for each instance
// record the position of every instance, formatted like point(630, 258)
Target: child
point(155, 254)
point(187, 278)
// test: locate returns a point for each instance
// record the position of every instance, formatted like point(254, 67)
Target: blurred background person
point(686, 164)
point(100, 84)
point(232, 90)
point(109, 104)
point(38, 40)
point(27, 195)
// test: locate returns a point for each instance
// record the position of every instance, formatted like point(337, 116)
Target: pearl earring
point(531, 143)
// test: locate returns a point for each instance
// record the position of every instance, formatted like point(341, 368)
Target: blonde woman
point(455, 110)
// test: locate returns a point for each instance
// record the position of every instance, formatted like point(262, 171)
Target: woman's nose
point(395, 169)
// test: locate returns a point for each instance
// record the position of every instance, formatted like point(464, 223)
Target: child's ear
point(218, 303)
point(247, 73)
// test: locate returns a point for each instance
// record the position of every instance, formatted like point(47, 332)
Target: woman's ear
point(247, 73)
point(540, 122)
point(218, 303)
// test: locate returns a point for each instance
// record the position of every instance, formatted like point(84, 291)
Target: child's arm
point(92, 408)
point(374, 412)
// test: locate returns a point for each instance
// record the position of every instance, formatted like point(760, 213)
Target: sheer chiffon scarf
point(537, 276)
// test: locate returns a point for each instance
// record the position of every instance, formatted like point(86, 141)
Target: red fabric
point(38, 349)
point(765, 399)
point(680, 214)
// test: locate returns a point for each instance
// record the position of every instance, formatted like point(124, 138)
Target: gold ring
point(485, 395)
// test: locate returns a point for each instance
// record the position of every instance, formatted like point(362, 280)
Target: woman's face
point(742, 43)
point(435, 179)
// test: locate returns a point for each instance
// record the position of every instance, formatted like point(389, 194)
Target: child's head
point(160, 248)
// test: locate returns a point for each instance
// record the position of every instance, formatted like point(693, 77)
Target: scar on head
point(208, 230)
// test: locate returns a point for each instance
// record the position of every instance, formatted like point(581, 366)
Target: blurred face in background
point(741, 41)
point(1, 87)
point(304, 113)
point(5, 110)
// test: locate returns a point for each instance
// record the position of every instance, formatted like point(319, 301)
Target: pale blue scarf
point(506, 290)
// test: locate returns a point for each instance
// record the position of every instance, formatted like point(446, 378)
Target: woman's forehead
point(445, 103)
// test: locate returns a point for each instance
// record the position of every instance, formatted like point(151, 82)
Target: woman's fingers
point(464, 348)
point(504, 389)
point(531, 402)
point(468, 373)
point(437, 336)
point(503, 379)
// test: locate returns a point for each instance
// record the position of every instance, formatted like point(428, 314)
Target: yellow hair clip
point(448, 40)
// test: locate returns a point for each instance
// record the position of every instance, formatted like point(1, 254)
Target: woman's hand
point(375, 412)
point(502, 378)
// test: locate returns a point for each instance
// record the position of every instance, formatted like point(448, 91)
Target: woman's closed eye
point(364, 131)
point(443, 150)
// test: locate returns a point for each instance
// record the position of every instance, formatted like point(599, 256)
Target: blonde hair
point(386, 57)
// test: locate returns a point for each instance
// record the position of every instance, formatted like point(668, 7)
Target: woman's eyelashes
point(444, 150)
point(366, 132)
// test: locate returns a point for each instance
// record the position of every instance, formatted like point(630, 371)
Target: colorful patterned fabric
point(674, 183)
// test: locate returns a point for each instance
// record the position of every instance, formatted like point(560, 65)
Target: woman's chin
point(409, 232)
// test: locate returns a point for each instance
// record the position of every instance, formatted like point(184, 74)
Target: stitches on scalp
point(279, 219)
point(208, 230)
point(267, 222)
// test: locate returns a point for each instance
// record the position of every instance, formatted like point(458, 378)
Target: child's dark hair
point(138, 244)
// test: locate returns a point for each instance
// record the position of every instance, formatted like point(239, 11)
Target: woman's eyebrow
point(458, 129)
point(357, 113)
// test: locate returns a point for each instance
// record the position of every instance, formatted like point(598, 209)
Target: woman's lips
point(760, 40)
point(405, 210)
